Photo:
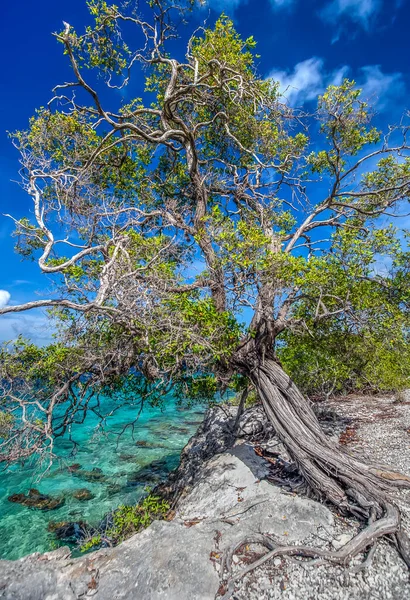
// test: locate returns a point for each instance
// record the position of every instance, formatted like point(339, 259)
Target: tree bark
point(334, 475)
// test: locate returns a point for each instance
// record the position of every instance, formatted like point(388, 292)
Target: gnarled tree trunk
point(333, 474)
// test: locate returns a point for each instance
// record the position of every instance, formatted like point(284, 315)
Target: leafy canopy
point(200, 226)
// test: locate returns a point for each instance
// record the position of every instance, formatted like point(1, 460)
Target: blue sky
point(305, 44)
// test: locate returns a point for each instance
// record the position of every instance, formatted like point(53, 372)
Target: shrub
point(128, 520)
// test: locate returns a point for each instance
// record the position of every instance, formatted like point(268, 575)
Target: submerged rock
point(83, 494)
point(35, 499)
point(150, 474)
point(178, 429)
point(191, 422)
point(152, 445)
point(114, 488)
point(68, 531)
point(126, 457)
point(74, 467)
point(95, 474)
point(17, 498)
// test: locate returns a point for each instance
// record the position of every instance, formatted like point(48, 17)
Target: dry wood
point(335, 476)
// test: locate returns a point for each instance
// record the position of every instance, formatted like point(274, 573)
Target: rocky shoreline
point(233, 484)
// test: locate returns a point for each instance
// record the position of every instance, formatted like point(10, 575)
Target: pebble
point(341, 540)
point(387, 577)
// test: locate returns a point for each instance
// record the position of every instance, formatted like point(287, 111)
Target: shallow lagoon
point(129, 463)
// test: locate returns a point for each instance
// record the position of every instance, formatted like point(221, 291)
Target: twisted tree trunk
point(336, 476)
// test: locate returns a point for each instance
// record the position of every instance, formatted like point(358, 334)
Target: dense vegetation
point(199, 230)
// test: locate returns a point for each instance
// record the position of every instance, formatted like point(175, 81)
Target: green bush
point(6, 423)
point(131, 519)
point(91, 543)
point(337, 363)
point(128, 520)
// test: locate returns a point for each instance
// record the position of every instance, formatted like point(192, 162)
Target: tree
point(365, 348)
point(278, 210)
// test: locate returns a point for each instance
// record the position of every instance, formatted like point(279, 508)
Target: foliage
point(251, 399)
point(199, 227)
point(128, 520)
point(367, 346)
point(131, 519)
point(6, 423)
point(91, 543)
point(341, 362)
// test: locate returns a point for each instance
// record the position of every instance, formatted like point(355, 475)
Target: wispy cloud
point(17, 282)
point(309, 78)
point(33, 325)
point(229, 6)
point(306, 80)
point(380, 88)
point(360, 11)
point(4, 298)
point(282, 3)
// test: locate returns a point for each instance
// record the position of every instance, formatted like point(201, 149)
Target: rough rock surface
point(172, 560)
point(221, 501)
point(215, 435)
point(379, 429)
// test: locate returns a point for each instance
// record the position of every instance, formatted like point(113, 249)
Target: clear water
point(127, 470)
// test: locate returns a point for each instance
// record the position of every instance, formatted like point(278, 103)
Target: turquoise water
point(129, 463)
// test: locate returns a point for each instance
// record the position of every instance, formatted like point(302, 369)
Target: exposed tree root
point(333, 475)
point(364, 540)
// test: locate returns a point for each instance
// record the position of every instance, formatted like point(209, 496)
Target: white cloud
point(4, 298)
point(361, 11)
point(281, 3)
point(303, 83)
point(309, 78)
point(380, 88)
point(33, 325)
point(17, 282)
point(306, 81)
point(229, 6)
